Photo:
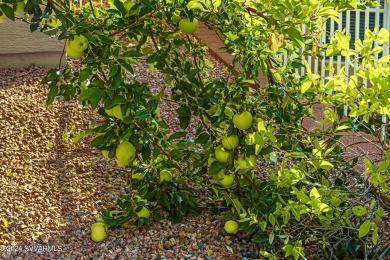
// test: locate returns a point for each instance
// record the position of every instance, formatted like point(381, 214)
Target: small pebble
point(201, 245)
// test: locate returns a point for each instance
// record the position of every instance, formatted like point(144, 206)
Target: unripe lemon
point(231, 227)
point(72, 53)
point(250, 165)
point(176, 18)
point(188, 27)
point(121, 163)
point(79, 43)
point(226, 180)
point(243, 121)
point(230, 142)
point(143, 213)
point(98, 232)
point(117, 112)
point(221, 155)
point(228, 111)
point(125, 152)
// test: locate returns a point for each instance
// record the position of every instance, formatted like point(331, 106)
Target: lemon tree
point(285, 186)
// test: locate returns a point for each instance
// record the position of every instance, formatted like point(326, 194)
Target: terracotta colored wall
point(20, 48)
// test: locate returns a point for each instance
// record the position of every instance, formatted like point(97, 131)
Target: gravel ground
point(52, 190)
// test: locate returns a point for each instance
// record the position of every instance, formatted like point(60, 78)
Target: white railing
point(354, 25)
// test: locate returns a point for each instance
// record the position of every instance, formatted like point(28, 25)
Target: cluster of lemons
point(241, 121)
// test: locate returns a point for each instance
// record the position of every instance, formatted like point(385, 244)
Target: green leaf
point(193, 4)
point(52, 94)
point(271, 219)
point(177, 135)
point(88, 94)
point(273, 157)
point(335, 201)
point(266, 150)
point(314, 194)
point(325, 207)
point(89, 60)
point(288, 249)
point(271, 238)
point(260, 237)
point(113, 71)
point(364, 228)
point(183, 111)
point(52, 75)
point(295, 36)
point(359, 210)
point(132, 54)
point(153, 58)
point(375, 236)
point(383, 36)
point(184, 121)
point(119, 5)
point(306, 86)
point(117, 100)
point(8, 11)
point(330, 114)
point(342, 128)
point(162, 123)
point(378, 180)
point(143, 114)
point(81, 135)
point(329, 11)
point(116, 80)
point(326, 165)
point(302, 197)
point(202, 138)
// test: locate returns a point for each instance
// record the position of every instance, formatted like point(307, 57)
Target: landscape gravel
point(52, 190)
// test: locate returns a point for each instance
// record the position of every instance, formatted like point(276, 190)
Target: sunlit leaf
point(364, 228)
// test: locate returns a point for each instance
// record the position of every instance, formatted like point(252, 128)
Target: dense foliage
point(296, 195)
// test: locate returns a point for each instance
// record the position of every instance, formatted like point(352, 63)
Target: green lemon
point(125, 152)
point(231, 227)
point(143, 213)
point(230, 142)
point(243, 121)
point(98, 232)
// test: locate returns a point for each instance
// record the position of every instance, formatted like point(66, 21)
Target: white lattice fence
point(354, 23)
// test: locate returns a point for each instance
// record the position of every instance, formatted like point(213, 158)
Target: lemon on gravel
point(231, 227)
point(98, 232)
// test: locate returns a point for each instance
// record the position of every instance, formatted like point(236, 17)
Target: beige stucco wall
point(20, 48)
